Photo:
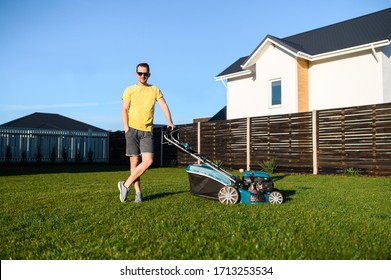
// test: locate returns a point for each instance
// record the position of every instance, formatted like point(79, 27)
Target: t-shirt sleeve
point(126, 94)
point(159, 94)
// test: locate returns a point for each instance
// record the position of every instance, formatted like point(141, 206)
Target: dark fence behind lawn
point(355, 137)
point(324, 141)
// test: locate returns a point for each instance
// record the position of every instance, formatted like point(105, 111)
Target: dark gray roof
point(366, 29)
point(51, 121)
point(234, 67)
point(220, 115)
point(362, 30)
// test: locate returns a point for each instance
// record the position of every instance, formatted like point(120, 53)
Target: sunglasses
point(143, 74)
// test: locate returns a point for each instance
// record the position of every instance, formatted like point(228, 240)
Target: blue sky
point(75, 57)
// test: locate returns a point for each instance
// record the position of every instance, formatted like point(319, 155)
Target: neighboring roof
point(51, 121)
point(360, 31)
point(220, 115)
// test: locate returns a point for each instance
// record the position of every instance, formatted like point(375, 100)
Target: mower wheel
point(276, 197)
point(228, 195)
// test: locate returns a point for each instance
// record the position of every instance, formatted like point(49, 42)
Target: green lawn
point(75, 213)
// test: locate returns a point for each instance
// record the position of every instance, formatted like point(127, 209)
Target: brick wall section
point(302, 91)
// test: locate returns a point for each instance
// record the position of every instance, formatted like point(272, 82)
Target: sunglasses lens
point(143, 74)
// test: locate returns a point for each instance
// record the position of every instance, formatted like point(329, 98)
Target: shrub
point(53, 155)
point(351, 171)
point(23, 158)
point(8, 154)
point(38, 155)
point(172, 163)
point(90, 156)
point(64, 154)
point(78, 157)
point(218, 162)
point(269, 166)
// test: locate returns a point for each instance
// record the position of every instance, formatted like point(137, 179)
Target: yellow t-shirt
point(142, 105)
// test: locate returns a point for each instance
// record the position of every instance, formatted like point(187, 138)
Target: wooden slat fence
point(325, 141)
point(225, 141)
point(284, 138)
point(188, 134)
point(355, 137)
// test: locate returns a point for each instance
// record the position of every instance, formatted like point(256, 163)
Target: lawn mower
point(208, 179)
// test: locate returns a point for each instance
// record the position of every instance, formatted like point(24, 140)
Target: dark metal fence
point(31, 145)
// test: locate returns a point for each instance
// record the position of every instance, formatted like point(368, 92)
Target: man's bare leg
point(146, 162)
point(134, 161)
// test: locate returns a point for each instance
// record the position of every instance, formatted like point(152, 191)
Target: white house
point(340, 65)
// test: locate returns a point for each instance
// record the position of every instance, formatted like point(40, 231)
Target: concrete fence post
point(314, 142)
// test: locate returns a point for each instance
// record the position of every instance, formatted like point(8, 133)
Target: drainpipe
point(225, 85)
point(374, 53)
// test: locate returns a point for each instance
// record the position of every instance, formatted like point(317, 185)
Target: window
point(276, 93)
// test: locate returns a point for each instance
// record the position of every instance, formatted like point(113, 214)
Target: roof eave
point(320, 56)
point(345, 51)
point(269, 39)
point(233, 75)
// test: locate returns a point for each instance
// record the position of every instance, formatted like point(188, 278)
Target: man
point(138, 103)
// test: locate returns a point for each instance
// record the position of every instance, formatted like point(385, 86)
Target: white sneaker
point(123, 191)
point(139, 197)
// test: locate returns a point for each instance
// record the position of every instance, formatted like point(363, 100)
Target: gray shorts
point(138, 142)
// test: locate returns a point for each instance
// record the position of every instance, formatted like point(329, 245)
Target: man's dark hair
point(142, 65)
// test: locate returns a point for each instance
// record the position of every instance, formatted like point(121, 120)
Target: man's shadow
point(286, 193)
point(161, 195)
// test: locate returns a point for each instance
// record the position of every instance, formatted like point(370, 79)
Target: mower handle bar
point(169, 136)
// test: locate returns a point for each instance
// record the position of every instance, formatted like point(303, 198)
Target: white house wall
point(250, 96)
point(386, 61)
point(240, 97)
point(343, 81)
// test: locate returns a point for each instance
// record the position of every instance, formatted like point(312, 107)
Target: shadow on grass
point(288, 194)
point(278, 177)
point(161, 195)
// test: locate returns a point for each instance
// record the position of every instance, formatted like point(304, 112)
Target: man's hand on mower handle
point(169, 129)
